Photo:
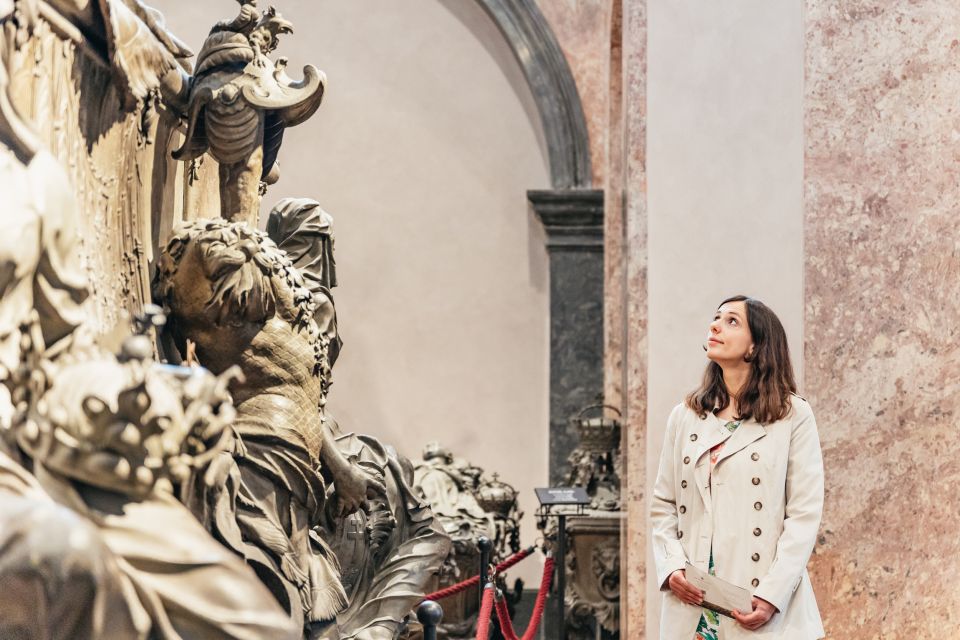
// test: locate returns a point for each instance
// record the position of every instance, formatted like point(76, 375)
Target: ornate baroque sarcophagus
point(174, 472)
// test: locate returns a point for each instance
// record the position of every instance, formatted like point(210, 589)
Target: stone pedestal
point(593, 588)
point(573, 220)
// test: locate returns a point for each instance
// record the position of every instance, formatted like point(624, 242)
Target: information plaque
point(562, 495)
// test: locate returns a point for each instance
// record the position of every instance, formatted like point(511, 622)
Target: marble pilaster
point(582, 29)
point(882, 191)
point(634, 317)
point(573, 220)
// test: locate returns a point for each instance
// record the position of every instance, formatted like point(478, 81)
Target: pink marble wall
point(582, 27)
point(614, 250)
point(634, 352)
point(882, 195)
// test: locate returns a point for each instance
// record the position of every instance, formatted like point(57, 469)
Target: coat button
point(754, 456)
point(683, 484)
point(679, 534)
point(757, 531)
point(683, 509)
point(686, 459)
point(758, 505)
point(755, 582)
point(755, 557)
point(693, 437)
point(756, 481)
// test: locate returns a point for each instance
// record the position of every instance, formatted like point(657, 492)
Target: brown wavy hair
point(765, 396)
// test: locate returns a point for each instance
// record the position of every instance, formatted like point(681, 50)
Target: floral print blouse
point(709, 626)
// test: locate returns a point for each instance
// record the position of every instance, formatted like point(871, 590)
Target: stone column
point(882, 303)
point(629, 315)
point(573, 219)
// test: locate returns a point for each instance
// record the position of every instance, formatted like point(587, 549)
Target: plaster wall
point(725, 188)
point(423, 150)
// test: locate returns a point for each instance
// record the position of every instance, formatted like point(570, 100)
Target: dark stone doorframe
point(545, 67)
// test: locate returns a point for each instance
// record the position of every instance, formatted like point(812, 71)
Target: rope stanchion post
point(561, 498)
point(561, 565)
point(429, 613)
point(485, 545)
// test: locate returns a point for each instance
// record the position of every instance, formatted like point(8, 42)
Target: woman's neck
point(734, 379)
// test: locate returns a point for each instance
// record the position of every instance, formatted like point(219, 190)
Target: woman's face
point(729, 339)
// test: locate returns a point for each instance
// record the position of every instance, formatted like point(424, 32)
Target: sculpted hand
point(353, 488)
point(683, 589)
point(762, 612)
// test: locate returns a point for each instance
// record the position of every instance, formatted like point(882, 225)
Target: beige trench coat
point(761, 517)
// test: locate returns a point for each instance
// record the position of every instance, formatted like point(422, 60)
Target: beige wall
point(725, 176)
point(423, 150)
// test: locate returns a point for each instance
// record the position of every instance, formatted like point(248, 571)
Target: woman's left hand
point(762, 612)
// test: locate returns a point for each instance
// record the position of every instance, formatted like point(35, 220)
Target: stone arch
point(551, 82)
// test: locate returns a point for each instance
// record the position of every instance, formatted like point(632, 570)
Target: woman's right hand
point(683, 589)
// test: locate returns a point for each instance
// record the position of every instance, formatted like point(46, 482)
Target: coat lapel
point(713, 434)
point(748, 432)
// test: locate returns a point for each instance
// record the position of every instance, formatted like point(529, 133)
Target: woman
point(739, 492)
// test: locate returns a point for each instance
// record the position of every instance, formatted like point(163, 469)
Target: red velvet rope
point(486, 608)
point(503, 614)
point(506, 624)
point(469, 582)
point(541, 601)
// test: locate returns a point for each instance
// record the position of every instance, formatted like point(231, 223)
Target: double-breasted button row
point(755, 456)
point(758, 506)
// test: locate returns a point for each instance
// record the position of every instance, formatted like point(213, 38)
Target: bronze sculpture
point(468, 506)
point(236, 296)
point(240, 102)
point(95, 544)
point(391, 549)
point(102, 444)
point(89, 446)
